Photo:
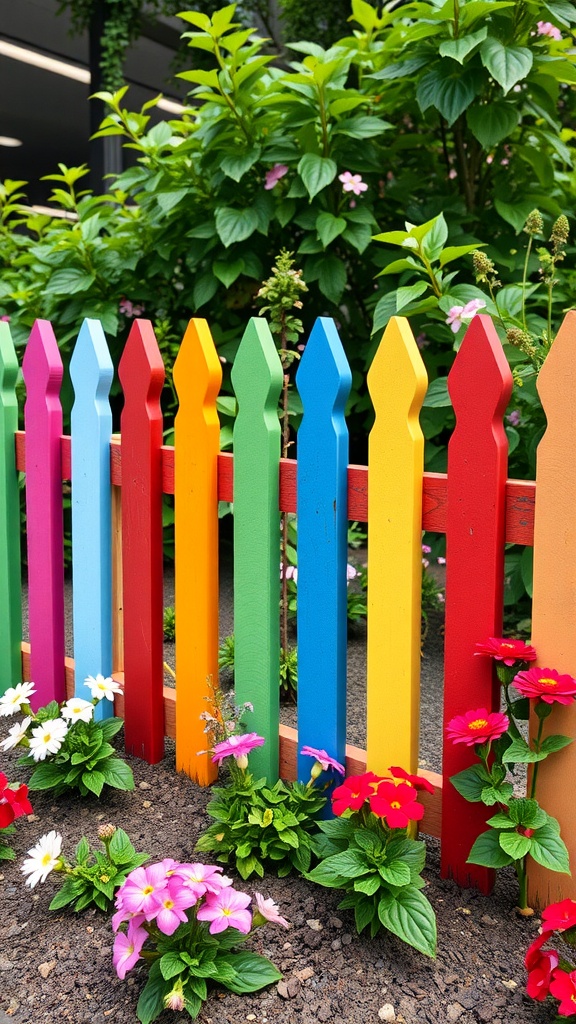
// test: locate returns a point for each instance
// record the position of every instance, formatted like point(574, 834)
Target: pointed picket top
point(141, 370)
point(554, 594)
point(480, 385)
point(324, 363)
point(197, 378)
point(324, 381)
point(43, 372)
point(397, 384)
point(480, 381)
point(92, 373)
point(257, 380)
point(10, 581)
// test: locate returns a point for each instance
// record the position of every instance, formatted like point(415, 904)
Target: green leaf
point(68, 893)
point(117, 774)
point(459, 48)
point(227, 271)
point(323, 874)
point(514, 844)
point(447, 88)
point(492, 122)
point(82, 851)
point(406, 295)
point(488, 852)
point(497, 794)
point(205, 287)
point(437, 396)
point(247, 866)
point(171, 965)
point(548, 849)
point(553, 743)
point(368, 885)
point(410, 916)
point(358, 235)
point(507, 64)
point(364, 911)
point(329, 227)
point(121, 849)
point(395, 873)
point(235, 225)
point(316, 172)
point(455, 252)
point(94, 781)
point(332, 278)
point(561, 10)
point(151, 1001)
point(110, 726)
point(519, 752)
point(253, 972)
point(515, 213)
point(46, 776)
point(70, 281)
point(237, 164)
point(471, 782)
point(168, 200)
point(348, 864)
point(364, 127)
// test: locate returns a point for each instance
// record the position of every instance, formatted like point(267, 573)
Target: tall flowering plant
point(257, 825)
point(185, 922)
point(520, 827)
point(14, 803)
point(65, 746)
point(367, 851)
point(548, 972)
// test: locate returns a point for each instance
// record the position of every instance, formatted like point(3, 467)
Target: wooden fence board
point(10, 581)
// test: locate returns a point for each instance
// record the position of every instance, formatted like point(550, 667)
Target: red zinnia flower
point(546, 684)
point(507, 651)
point(558, 917)
point(540, 966)
point(477, 727)
point(415, 780)
point(353, 792)
point(398, 804)
point(563, 986)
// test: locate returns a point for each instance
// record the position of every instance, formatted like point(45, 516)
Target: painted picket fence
point(117, 485)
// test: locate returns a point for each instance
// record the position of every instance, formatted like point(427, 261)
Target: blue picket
point(92, 372)
point(324, 380)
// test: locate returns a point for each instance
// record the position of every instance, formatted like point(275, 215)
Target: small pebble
point(387, 1012)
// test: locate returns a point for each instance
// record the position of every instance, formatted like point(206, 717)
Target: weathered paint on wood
point(480, 385)
point(10, 582)
point(324, 381)
point(257, 380)
point(554, 596)
point(43, 371)
point(141, 373)
point(91, 372)
point(197, 377)
point(397, 383)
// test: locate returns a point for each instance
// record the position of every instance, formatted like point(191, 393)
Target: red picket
point(480, 385)
point(141, 373)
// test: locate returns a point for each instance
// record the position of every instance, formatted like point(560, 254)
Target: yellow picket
point(396, 465)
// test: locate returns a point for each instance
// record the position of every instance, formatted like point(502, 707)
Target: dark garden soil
point(57, 966)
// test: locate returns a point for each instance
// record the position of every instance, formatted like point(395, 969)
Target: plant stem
point(524, 276)
point(537, 742)
point(520, 866)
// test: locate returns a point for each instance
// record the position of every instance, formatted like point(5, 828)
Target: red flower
point(546, 684)
point(13, 802)
point(540, 966)
point(415, 780)
point(507, 651)
point(477, 727)
point(353, 792)
point(563, 986)
point(558, 917)
point(397, 803)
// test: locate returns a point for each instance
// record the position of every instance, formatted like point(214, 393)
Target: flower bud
point(242, 761)
point(534, 223)
point(316, 770)
point(106, 831)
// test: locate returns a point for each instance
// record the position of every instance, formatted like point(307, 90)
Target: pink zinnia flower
point(324, 759)
point(352, 183)
point(237, 746)
point(226, 909)
point(546, 28)
point(127, 950)
point(414, 780)
point(478, 726)
point(396, 803)
point(507, 651)
point(546, 684)
point(559, 917)
point(458, 315)
point(270, 911)
point(273, 175)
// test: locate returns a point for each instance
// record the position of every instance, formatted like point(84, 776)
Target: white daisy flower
point(15, 734)
point(47, 738)
point(77, 710)
point(102, 687)
point(15, 697)
point(42, 858)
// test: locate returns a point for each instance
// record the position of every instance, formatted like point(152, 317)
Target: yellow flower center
point(478, 723)
point(396, 805)
point(547, 682)
point(148, 890)
point(509, 647)
point(46, 859)
point(47, 737)
point(168, 904)
point(226, 911)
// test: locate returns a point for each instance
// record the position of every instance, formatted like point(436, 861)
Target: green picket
point(10, 581)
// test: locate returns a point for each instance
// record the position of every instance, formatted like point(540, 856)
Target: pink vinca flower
point(237, 746)
point(514, 418)
point(324, 760)
point(140, 892)
point(269, 910)
point(226, 909)
point(352, 183)
point(127, 950)
point(174, 902)
point(202, 878)
point(273, 176)
point(546, 28)
point(458, 315)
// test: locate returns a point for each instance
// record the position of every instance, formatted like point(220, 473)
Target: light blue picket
point(92, 372)
point(324, 380)
point(10, 581)
point(257, 380)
